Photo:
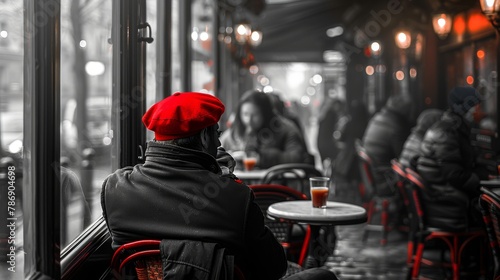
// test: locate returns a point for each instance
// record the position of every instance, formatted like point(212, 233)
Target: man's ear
point(205, 138)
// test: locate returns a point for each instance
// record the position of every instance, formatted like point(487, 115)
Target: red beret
point(182, 115)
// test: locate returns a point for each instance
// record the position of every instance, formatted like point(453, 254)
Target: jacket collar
point(175, 155)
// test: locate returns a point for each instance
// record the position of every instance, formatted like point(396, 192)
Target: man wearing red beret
point(179, 193)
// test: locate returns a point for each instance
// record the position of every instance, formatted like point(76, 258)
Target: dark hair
point(278, 103)
point(262, 101)
point(192, 142)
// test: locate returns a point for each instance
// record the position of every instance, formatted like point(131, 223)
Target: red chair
point(371, 201)
point(293, 237)
point(455, 240)
point(144, 258)
point(401, 182)
point(490, 209)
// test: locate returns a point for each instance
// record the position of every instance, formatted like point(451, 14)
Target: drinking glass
point(320, 188)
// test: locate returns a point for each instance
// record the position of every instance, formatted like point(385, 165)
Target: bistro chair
point(490, 209)
point(142, 260)
point(292, 175)
point(373, 203)
point(455, 240)
point(293, 237)
point(401, 182)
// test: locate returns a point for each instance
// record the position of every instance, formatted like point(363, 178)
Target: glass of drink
point(249, 161)
point(320, 187)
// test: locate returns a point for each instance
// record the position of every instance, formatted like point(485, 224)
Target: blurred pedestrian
point(350, 127)
point(330, 113)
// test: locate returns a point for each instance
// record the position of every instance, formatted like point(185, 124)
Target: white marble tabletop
point(491, 183)
point(335, 213)
point(252, 174)
point(259, 174)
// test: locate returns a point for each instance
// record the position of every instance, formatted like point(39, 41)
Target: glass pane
point(11, 140)
point(486, 56)
point(176, 56)
point(151, 9)
point(86, 60)
point(202, 35)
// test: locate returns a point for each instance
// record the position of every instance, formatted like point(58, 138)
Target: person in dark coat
point(180, 192)
point(384, 138)
point(351, 127)
point(330, 113)
point(411, 148)
point(447, 163)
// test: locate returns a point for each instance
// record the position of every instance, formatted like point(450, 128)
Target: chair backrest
point(144, 258)
point(144, 254)
point(489, 203)
point(267, 194)
point(292, 174)
point(367, 189)
point(400, 172)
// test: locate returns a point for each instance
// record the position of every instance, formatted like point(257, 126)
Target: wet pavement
point(355, 259)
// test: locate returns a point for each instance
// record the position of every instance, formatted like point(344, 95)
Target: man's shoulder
point(114, 177)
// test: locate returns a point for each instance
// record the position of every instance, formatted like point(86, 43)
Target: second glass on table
point(320, 188)
point(250, 160)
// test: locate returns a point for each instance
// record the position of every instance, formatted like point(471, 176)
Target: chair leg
point(409, 254)
point(455, 258)
point(417, 261)
point(370, 209)
point(305, 246)
point(385, 221)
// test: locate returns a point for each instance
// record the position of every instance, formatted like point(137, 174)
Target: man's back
point(177, 194)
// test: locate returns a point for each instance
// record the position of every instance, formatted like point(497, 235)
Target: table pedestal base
point(321, 245)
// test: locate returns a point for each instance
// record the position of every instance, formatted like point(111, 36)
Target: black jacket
point(178, 194)
point(446, 155)
point(447, 163)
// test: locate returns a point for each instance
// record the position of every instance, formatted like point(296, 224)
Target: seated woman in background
point(258, 129)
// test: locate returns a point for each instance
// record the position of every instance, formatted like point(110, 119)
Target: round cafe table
point(335, 213)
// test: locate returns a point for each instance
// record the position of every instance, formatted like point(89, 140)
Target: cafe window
point(86, 134)
point(473, 65)
point(11, 132)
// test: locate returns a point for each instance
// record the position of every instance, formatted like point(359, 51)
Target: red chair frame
point(142, 250)
point(278, 193)
point(369, 197)
point(399, 170)
point(124, 255)
point(456, 241)
point(490, 209)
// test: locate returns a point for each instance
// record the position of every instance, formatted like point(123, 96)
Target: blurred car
point(11, 131)
point(97, 131)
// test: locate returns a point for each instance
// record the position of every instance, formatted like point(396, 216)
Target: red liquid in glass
point(319, 196)
point(249, 163)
